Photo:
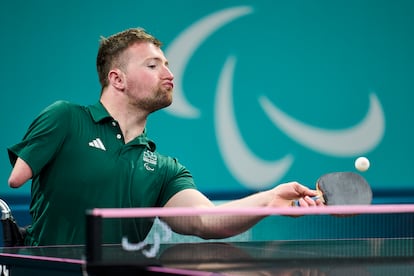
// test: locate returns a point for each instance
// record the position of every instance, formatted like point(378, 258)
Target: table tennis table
point(388, 256)
point(370, 254)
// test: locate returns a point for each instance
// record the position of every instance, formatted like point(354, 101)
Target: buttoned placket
point(118, 135)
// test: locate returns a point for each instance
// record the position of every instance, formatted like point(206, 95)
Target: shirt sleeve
point(178, 178)
point(43, 138)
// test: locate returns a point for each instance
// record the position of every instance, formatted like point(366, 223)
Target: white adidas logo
point(97, 143)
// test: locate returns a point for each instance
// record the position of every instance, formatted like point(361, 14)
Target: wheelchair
point(13, 234)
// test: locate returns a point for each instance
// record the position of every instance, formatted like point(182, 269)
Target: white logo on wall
point(239, 159)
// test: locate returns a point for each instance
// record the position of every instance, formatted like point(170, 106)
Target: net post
point(93, 237)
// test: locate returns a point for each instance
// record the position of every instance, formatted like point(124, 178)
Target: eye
point(152, 66)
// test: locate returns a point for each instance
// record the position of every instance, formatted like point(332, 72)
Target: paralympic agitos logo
point(234, 151)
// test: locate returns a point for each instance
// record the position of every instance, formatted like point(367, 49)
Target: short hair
point(112, 47)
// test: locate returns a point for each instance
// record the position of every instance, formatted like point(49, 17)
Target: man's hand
point(285, 194)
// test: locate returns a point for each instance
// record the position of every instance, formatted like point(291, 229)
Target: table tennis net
point(372, 225)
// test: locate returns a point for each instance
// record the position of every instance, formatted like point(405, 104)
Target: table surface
point(319, 257)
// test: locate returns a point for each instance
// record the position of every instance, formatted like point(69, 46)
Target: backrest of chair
point(5, 210)
point(13, 235)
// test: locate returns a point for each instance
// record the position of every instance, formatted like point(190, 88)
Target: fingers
point(309, 197)
point(302, 190)
point(296, 194)
point(309, 202)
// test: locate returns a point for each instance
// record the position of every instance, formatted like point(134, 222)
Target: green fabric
point(73, 172)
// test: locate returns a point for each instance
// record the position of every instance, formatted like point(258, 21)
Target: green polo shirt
point(79, 161)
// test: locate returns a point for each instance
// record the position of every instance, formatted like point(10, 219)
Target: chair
point(13, 234)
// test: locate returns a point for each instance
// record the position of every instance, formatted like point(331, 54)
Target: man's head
point(134, 73)
point(111, 50)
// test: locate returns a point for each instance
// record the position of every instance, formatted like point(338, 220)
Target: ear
point(116, 78)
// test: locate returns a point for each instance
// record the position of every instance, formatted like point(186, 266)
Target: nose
point(168, 73)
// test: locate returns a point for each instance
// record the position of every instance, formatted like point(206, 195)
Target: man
point(99, 156)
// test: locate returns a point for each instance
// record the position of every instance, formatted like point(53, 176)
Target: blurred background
point(266, 91)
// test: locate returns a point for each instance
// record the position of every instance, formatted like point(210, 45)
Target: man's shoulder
point(170, 162)
point(63, 104)
point(63, 108)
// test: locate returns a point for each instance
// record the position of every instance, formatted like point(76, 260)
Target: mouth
point(169, 85)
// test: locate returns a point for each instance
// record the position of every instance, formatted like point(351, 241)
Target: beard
point(160, 99)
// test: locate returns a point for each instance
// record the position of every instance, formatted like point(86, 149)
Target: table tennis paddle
point(342, 188)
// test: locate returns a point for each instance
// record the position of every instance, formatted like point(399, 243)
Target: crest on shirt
point(150, 160)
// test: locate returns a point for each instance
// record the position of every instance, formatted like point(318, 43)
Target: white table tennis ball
point(362, 164)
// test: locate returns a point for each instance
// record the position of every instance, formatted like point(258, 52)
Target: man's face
point(148, 80)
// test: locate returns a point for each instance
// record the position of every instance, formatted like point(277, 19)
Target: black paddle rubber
point(344, 188)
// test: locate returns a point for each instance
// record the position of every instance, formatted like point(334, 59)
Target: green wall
point(266, 91)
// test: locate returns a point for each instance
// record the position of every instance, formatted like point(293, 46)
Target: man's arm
point(212, 227)
point(20, 174)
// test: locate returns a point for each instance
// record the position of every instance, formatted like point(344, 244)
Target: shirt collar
point(100, 114)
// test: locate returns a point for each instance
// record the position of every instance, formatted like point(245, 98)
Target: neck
point(131, 120)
